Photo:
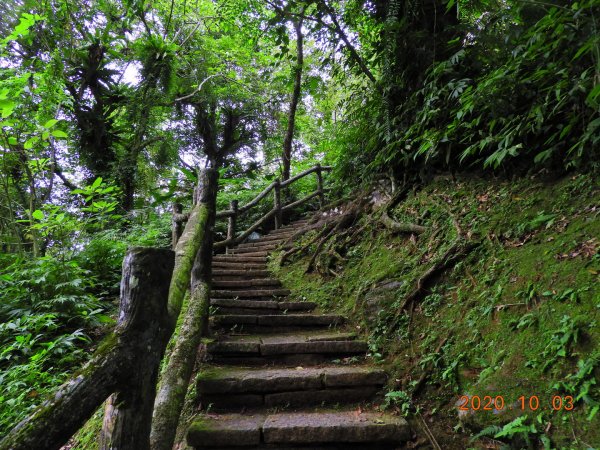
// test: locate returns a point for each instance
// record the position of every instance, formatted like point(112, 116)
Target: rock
point(378, 299)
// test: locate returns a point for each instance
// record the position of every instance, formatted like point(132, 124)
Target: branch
point(198, 89)
point(335, 29)
point(65, 180)
point(458, 250)
point(350, 47)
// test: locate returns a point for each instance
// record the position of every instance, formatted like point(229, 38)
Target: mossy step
point(246, 283)
point(240, 258)
point(232, 265)
point(284, 429)
point(288, 343)
point(232, 388)
point(230, 306)
point(254, 246)
point(221, 293)
point(278, 238)
point(279, 321)
point(259, 252)
point(225, 380)
point(236, 274)
point(316, 397)
point(283, 231)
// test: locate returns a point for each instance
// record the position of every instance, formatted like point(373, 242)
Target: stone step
point(283, 231)
point(274, 323)
point(224, 387)
point(300, 429)
point(228, 306)
point(276, 238)
point(251, 252)
point(253, 245)
point(223, 274)
point(259, 282)
point(240, 259)
point(238, 266)
point(308, 348)
point(249, 293)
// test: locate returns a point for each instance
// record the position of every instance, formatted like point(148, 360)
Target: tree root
point(398, 227)
point(336, 226)
point(305, 247)
point(457, 251)
point(320, 245)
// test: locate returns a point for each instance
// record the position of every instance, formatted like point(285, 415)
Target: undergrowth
point(517, 318)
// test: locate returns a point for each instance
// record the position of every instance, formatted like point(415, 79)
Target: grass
point(522, 311)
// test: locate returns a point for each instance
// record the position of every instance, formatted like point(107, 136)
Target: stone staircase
point(274, 376)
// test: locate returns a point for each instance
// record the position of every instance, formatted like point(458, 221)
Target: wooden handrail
point(258, 198)
point(242, 209)
point(235, 211)
point(303, 174)
point(235, 240)
point(302, 200)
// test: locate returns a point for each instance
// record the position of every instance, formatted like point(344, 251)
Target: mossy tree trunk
point(289, 135)
point(126, 361)
point(175, 380)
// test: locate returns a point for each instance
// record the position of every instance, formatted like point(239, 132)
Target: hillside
point(517, 316)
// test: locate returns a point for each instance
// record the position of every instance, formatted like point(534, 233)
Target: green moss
point(87, 438)
point(212, 373)
point(199, 426)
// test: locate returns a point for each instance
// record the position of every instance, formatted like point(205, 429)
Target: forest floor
point(501, 347)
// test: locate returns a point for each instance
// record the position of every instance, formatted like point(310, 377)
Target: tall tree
point(297, 71)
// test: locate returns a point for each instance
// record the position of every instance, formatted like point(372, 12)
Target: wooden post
point(233, 205)
point(176, 376)
point(277, 204)
point(320, 186)
point(177, 225)
point(126, 361)
point(128, 412)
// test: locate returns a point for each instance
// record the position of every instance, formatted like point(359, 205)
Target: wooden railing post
point(177, 225)
point(128, 412)
point(320, 186)
point(180, 363)
point(277, 205)
point(126, 362)
point(233, 205)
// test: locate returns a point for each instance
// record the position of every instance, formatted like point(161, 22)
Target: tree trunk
point(118, 364)
point(128, 412)
point(289, 135)
point(176, 376)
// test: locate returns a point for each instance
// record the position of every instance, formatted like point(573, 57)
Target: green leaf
point(50, 123)
point(30, 142)
point(7, 107)
point(591, 98)
point(37, 214)
point(59, 134)
point(188, 174)
point(97, 182)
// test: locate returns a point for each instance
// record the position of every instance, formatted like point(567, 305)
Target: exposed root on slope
point(338, 231)
point(460, 248)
